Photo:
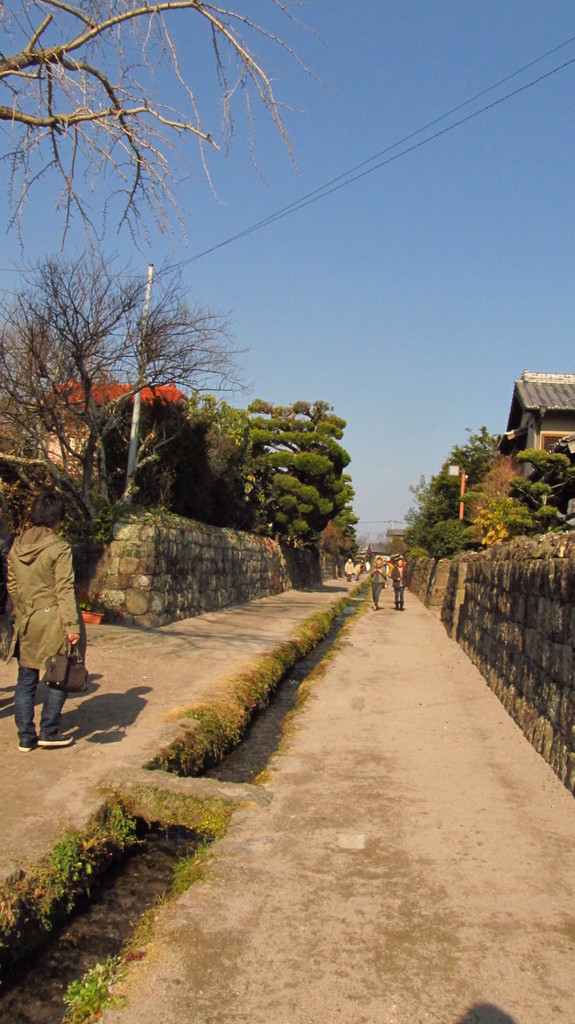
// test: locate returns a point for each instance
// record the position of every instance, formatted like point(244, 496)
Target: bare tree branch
point(83, 78)
point(73, 354)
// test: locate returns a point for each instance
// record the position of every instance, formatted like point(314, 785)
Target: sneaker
point(27, 745)
point(52, 742)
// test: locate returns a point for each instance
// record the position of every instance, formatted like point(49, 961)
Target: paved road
point(410, 860)
point(415, 862)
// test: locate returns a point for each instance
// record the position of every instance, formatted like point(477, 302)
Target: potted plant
point(91, 606)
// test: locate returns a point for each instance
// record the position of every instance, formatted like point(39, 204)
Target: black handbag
point(66, 670)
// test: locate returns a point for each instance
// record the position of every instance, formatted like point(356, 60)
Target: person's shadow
point(7, 702)
point(104, 717)
point(485, 1013)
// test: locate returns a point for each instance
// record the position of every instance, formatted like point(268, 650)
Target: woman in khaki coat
point(41, 589)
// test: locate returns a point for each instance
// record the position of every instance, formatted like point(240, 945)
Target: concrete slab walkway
point(414, 864)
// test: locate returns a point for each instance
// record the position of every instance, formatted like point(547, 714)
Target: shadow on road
point(485, 1013)
point(105, 717)
point(7, 702)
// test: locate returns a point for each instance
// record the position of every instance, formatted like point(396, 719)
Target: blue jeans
point(399, 596)
point(24, 700)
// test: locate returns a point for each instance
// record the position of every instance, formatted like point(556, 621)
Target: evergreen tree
point(300, 467)
point(548, 486)
point(339, 536)
point(202, 463)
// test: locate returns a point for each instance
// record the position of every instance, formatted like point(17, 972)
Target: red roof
point(109, 392)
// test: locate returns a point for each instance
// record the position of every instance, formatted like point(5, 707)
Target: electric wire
point(356, 173)
point(363, 169)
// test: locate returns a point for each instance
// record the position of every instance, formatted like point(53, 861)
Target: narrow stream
point(264, 734)
point(100, 928)
point(104, 923)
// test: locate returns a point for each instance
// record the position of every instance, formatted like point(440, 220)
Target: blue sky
point(412, 298)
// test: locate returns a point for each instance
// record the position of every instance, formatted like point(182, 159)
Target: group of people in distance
point(384, 569)
point(353, 570)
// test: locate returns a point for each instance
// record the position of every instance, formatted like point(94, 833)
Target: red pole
point(461, 503)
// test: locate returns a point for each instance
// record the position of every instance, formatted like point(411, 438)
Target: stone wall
point(427, 579)
point(154, 573)
point(512, 610)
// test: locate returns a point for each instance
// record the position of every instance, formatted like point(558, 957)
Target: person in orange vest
point(398, 583)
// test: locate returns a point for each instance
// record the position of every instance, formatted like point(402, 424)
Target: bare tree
point(83, 96)
point(70, 344)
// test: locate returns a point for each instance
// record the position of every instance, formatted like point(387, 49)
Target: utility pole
point(453, 470)
point(135, 427)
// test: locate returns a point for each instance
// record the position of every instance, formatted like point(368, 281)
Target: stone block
point(567, 582)
point(566, 717)
point(142, 582)
point(544, 738)
point(136, 602)
point(128, 565)
point(533, 646)
point(531, 611)
point(562, 664)
point(543, 617)
point(517, 606)
point(529, 680)
point(552, 701)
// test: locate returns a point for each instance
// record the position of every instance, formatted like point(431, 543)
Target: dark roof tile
point(546, 390)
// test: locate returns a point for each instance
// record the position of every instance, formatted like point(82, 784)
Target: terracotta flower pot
point(93, 618)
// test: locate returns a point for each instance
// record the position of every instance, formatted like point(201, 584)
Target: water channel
point(100, 927)
point(262, 738)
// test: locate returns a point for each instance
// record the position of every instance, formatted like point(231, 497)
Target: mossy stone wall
point(154, 573)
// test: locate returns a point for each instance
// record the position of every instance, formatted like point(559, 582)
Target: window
point(548, 440)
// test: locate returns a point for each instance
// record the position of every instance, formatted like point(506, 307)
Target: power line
point(380, 522)
point(350, 176)
point(362, 169)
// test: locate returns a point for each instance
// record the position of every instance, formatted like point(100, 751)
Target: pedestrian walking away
point(46, 614)
point(378, 574)
point(398, 583)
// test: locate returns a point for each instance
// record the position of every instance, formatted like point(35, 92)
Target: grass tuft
point(86, 997)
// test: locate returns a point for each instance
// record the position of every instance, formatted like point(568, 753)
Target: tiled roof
point(549, 390)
